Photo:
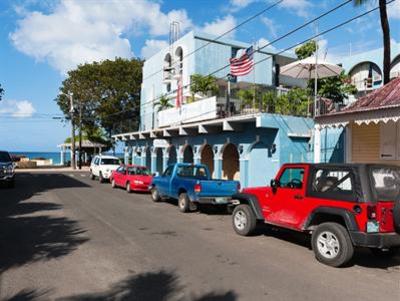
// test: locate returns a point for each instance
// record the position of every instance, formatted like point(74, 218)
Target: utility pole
point(80, 135)
point(71, 112)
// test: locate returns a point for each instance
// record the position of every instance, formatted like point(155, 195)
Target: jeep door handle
point(298, 197)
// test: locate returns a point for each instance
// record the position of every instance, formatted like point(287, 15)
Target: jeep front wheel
point(244, 220)
point(332, 245)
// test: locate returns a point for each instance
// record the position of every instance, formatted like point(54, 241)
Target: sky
point(41, 40)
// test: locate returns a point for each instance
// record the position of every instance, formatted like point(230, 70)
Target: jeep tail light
point(197, 188)
point(371, 212)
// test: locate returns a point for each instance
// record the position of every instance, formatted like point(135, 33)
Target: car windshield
point(4, 157)
point(140, 171)
point(109, 161)
point(385, 183)
point(197, 172)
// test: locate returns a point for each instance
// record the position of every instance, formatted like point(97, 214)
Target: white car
point(103, 166)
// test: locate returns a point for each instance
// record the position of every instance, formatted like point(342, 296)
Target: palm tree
point(163, 103)
point(386, 37)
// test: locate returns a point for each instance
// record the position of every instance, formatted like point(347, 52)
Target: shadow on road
point(362, 257)
point(155, 286)
point(28, 230)
point(152, 286)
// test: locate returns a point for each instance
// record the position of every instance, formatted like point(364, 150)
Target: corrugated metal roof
point(385, 97)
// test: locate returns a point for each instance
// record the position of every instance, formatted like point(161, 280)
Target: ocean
point(55, 156)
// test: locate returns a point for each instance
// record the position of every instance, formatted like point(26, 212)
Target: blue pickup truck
point(191, 184)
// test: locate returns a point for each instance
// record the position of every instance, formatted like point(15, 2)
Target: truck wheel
point(128, 187)
point(332, 245)
point(184, 203)
point(155, 195)
point(385, 253)
point(101, 179)
point(244, 220)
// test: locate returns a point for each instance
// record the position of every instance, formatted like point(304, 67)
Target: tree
point(1, 92)
point(107, 93)
point(203, 84)
point(163, 103)
point(386, 36)
point(306, 50)
point(247, 98)
point(336, 88)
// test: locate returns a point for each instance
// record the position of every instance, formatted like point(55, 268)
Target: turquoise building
point(236, 140)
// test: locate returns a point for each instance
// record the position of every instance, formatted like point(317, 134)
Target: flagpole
point(254, 78)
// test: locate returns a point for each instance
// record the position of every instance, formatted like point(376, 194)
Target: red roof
point(385, 97)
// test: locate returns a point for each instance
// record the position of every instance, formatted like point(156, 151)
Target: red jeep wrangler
point(343, 206)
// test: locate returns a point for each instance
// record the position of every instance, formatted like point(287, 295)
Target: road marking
point(83, 176)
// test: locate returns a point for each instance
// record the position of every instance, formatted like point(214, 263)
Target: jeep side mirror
point(274, 185)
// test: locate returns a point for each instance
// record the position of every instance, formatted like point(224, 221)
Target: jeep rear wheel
point(332, 245)
point(244, 220)
point(155, 195)
point(184, 202)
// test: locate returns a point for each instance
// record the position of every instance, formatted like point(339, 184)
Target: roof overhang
point(376, 116)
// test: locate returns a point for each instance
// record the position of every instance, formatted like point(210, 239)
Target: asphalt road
point(63, 236)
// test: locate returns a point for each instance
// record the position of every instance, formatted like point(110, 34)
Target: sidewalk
point(54, 169)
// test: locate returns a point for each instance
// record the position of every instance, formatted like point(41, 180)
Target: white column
point(349, 144)
point(317, 144)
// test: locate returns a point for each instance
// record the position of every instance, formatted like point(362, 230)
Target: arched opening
point(159, 161)
point(179, 59)
point(395, 67)
point(207, 157)
point(365, 75)
point(230, 162)
point(188, 154)
point(172, 156)
point(148, 158)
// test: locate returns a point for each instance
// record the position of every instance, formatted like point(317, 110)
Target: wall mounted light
point(273, 148)
point(241, 149)
point(215, 149)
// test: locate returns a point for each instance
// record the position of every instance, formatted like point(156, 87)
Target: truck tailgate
point(218, 188)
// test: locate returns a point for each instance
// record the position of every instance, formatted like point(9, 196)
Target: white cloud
point(394, 10)
point(152, 47)
point(15, 108)
point(238, 4)
point(84, 31)
point(299, 7)
point(264, 42)
point(271, 26)
point(220, 26)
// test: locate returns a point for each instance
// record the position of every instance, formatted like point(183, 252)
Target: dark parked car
point(7, 171)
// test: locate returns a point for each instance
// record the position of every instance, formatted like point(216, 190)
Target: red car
point(342, 206)
point(132, 178)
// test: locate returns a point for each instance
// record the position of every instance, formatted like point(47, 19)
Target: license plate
point(221, 200)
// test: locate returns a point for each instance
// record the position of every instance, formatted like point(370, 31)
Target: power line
point(252, 17)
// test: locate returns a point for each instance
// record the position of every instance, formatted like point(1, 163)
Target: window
point(198, 172)
point(140, 171)
point(385, 183)
point(121, 169)
point(292, 178)
point(334, 183)
point(110, 161)
point(96, 161)
point(168, 171)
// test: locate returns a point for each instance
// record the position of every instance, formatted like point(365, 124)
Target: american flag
point(179, 94)
point(244, 64)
